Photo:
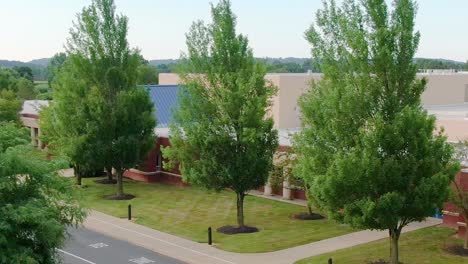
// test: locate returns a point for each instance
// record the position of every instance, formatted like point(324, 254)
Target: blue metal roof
point(164, 99)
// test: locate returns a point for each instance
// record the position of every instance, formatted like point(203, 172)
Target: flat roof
point(33, 107)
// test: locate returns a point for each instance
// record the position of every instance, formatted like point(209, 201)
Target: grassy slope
point(188, 212)
point(418, 247)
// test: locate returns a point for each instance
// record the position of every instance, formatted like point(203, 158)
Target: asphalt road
point(88, 247)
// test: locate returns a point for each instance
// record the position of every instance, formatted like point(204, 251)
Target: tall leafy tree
point(54, 66)
point(11, 134)
point(221, 135)
point(10, 106)
point(68, 125)
point(24, 72)
point(368, 149)
point(119, 120)
point(25, 89)
point(8, 79)
point(36, 204)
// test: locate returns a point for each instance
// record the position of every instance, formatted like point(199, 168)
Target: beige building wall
point(455, 129)
point(290, 87)
point(168, 79)
point(442, 89)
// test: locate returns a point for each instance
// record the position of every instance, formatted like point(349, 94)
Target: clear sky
point(32, 29)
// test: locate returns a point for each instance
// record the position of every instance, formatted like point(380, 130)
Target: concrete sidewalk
point(199, 253)
point(278, 198)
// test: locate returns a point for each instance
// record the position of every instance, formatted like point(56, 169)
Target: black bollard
point(210, 239)
point(330, 261)
point(129, 212)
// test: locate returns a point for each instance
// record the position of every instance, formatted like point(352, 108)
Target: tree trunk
point(394, 237)
point(309, 207)
point(240, 209)
point(120, 192)
point(109, 174)
point(465, 244)
point(78, 174)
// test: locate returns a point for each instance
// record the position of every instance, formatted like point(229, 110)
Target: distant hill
point(40, 62)
point(39, 67)
point(34, 63)
point(267, 60)
point(278, 65)
point(11, 64)
point(163, 61)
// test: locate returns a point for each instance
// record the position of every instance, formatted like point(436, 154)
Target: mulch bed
point(456, 250)
point(232, 230)
point(106, 181)
point(119, 198)
point(381, 261)
point(307, 216)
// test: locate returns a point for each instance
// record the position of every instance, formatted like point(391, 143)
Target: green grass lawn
point(188, 212)
point(418, 247)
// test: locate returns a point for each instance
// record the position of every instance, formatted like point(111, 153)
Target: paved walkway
point(199, 253)
point(278, 198)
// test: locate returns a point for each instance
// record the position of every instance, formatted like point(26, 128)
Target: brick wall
point(452, 218)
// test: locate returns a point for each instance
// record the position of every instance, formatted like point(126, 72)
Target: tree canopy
point(368, 150)
point(10, 106)
point(35, 203)
point(99, 115)
point(54, 66)
point(221, 135)
point(147, 74)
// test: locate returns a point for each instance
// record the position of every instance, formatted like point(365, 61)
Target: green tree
point(10, 106)
point(36, 204)
point(221, 135)
point(8, 79)
point(54, 66)
point(133, 132)
point(25, 89)
point(24, 72)
point(12, 135)
point(120, 122)
point(147, 74)
point(67, 124)
point(368, 149)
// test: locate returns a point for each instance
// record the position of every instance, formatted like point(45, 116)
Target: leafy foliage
point(24, 72)
point(100, 117)
point(10, 106)
point(25, 89)
point(368, 149)
point(54, 66)
point(12, 135)
point(147, 74)
point(220, 134)
point(67, 124)
point(36, 204)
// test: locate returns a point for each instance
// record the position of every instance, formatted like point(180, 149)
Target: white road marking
point(141, 260)
point(98, 245)
point(164, 241)
point(75, 256)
